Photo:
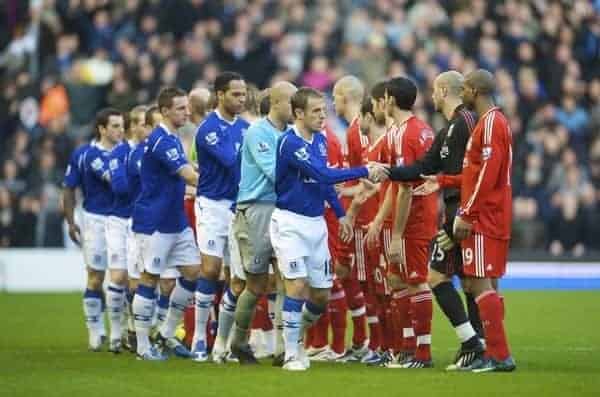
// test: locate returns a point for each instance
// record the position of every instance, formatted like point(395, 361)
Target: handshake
point(378, 172)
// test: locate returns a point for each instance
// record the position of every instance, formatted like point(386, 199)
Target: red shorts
point(366, 259)
point(484, 257)
point(188, 206)
point(380, 279)
point(414, 265)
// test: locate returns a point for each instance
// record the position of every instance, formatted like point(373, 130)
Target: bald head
point(452, 81)
point(280, 96)
point(351, 88)
point(482, 81)
point(282, 91)
point(199, 99)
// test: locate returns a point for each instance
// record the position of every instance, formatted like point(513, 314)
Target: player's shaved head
point(482, 81)
point(351, 87)
point(450, 80)
point(199, 101)
point(282, 90)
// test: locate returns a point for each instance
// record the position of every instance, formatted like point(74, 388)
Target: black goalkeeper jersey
point(445, 154)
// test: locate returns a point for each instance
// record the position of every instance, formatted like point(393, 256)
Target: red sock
point(261, 314)
point(385, 318)
point(490, 311)
point(396, 325)
point(422, 311)
point(356, 304)
point(373, 322)
point(321, 331)
point(409, 342)
point(337, 316)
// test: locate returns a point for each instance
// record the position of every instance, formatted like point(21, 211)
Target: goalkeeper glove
point(444, 241)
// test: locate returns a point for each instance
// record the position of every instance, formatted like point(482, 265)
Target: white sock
point(92, 309)
point(180, 299)
point(278, 323)
point(226, 317)
point(465, 331)
point(115, 303)
point(292, 321)
point(144, 304)
point(205, 295)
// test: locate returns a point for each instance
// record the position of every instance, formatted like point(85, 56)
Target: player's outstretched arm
point(431, 163)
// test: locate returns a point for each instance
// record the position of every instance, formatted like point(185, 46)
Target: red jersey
point(386, 156)
point(335, 156)
point(410, 143)
point(354, 149)
point(486, 191)
point(368, 210)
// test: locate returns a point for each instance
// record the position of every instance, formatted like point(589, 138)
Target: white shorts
point(94, 241)
point(300, 244)
point(213, 223)
point(158, 252)
point(116, 242)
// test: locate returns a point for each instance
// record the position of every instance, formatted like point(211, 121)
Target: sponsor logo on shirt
point(113, 164)
point(263, 147)
point(173, 154)
point(302, 154)
point(97, 164)
point(212, 138)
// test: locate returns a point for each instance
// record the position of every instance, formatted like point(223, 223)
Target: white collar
point(301, 137)
point(224, 119)
point(164, 127)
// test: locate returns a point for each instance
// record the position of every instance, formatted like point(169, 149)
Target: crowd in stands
point(62, 60)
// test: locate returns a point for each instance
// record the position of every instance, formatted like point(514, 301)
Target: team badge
point(173, 154)
point(212, 138)
point(97, 164)
point(293, 266)
point(322, 149)
point(113, 164)
point(486, 153)
point(97, 259)
point(211, 243)
point(302, 154)
point(156, 261)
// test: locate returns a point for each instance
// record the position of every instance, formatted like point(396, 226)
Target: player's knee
point(260, 284)
point(191, 273)
point(211, 268)
point(166, 285)
point(237, 286)
point(319, 297)
point(95, 280)
point(436, 278)
point(118, 277)
point(480, 285)
point(149, 279)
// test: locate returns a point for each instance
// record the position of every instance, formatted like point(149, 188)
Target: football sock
point(373, 323)
point(179, 300)
point(422, 312)
point(244, 312)
point(449, 301)
point(162, 307)
point(337, 315)
point(226, 317)
point(409, 342)
point(205, 294)
point(356, 304)
point(474, 317)
point(143, 310)
point(320, 331)
point(115, 302)
point(292, 321)
point(92, 309)
point(490, 307)
point(386, 320)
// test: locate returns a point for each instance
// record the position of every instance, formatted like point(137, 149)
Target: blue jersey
point(134, 167)
point(160, 204)
point(218, 143)
point(303, 182)
point(122, 204)
point(88, 169)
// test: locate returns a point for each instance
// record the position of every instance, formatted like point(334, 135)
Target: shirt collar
point(301, 137)
point(224, 119)
point(167, 130)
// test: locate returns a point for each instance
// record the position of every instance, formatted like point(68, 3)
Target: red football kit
point(486, 195)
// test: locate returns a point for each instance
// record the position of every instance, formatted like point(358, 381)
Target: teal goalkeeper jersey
point(257, 181)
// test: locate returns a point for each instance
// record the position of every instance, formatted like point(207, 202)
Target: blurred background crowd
point(62, 60)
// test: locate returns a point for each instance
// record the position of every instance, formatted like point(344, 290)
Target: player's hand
point(373, 234)
point(75, 233)
point(378, 172)
point(396, 249)
point(346, 231)
point(462, 229)
point(444, 241)
point(430, 185)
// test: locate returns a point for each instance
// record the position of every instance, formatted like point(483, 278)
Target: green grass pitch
point(555, 339)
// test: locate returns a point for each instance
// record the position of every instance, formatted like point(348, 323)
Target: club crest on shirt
point(400, 161)
point(156, 261)
point(212, 138)
point(425, 135)
point(263, 147)
point(173, 154)
point(486, 153)
point(323, 149)
point(302, 154)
